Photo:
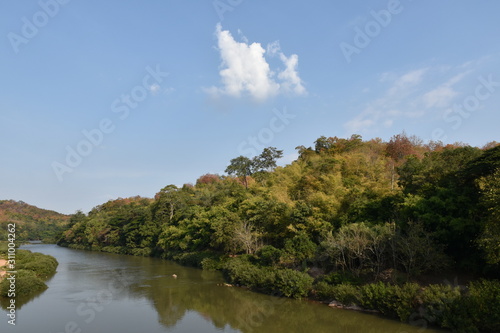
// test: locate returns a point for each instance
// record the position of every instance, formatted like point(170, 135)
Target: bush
point(241, 271)
point(113, 249)
point(407, 300)
point(393, 301)
point(437, 301)
point(346, 294)
point(485, 298)
point(287, 282)
point(141, 252)
point(26, 283)
point(292, 283)
point(478, 310)
point(41, 264)
point(269, 255)
point(324, 291)
point(193, 259)
point(211, 264)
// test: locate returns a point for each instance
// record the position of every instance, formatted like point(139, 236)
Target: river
point(94, 292)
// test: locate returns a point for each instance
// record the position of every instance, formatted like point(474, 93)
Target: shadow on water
point(195, 300)
point(20, 300)
point(24, 299)
point(222, 306)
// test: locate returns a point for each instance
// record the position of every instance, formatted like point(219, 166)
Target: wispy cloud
point(443, 95)
point(245, 69)
point(413, 94)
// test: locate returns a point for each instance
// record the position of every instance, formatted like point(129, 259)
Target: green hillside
point(32, 223)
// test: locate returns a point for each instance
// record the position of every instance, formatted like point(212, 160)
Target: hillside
point(32, 223)
point(358, 222)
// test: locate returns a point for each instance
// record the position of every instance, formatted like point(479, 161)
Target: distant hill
point(32, 223)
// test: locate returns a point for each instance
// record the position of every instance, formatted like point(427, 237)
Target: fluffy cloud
point(245, 69)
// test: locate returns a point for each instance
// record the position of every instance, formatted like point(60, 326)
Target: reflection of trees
point(20, 300)
point(196, 290)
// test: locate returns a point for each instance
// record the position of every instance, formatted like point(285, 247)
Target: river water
point(106, 293)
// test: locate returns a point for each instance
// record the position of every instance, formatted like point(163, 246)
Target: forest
point(32, 223)
point(380, 225)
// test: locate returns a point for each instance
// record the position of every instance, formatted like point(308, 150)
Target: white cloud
point(273, 48)
point(407, 81)
point(290, 76)
point(408, 96)
point(246, 71)
point(383, 110)
point(154, 88)
point(443, 95)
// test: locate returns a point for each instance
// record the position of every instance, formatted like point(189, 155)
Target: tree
point(397, 148)
point(243, 167)
point(166, 203)
point(247, 237)
point(417, 252)
point(240, 166)
point(489, 240)
point(266, 161)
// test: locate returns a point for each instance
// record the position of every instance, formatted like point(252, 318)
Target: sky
point(108, 99)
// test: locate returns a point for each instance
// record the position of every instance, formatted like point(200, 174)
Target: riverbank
point(3, 262)
point(471, 308)
point(32, 268)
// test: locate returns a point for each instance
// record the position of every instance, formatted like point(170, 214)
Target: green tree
point(240, 166)
point(266, 161)
point(489, 239)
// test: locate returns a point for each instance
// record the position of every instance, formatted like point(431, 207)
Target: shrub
point(192, 258)
point(481, 305)
point(393, 301)
point(486, 296)
point(346, 294)
point(292, 283)
point(141, 252)
point(26, 283)
point(113, 249)
point(379, 296)
point(41, 264)
point(324, 291)
point(437, 301)
point(407, 300)
point(269, 255)
point(210, 264)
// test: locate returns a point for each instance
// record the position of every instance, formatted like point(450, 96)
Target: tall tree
point(240, 166)
point(266, 161)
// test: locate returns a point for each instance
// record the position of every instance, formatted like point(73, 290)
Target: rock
point(336, 304)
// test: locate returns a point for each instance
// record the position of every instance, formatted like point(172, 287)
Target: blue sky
point(108, 99)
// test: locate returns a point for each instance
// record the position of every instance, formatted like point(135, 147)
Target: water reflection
point(138, 293)
point(242, 310)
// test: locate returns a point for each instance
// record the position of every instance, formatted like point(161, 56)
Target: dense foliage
point(346, 211)
point(32, 270)
point(32, 223)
